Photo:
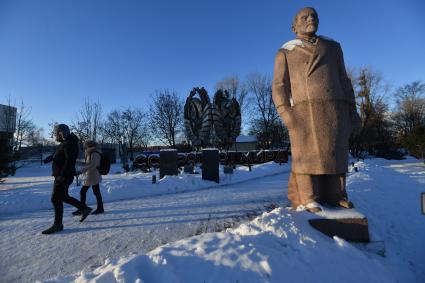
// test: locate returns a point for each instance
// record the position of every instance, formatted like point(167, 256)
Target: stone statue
point(197, 117)
point(227, 118)
point(314, 97)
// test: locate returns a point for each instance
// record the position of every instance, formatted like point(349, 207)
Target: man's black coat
point(63, 166)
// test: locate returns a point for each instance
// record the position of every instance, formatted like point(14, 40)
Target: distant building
point(7, 120)
point(7, 129)
point(245, 143)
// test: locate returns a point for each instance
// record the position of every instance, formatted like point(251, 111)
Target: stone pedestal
point(347, 224)
point(281, 157)
point(168, 163)
point(189, 168)
point(210, 165)
point(228, 169)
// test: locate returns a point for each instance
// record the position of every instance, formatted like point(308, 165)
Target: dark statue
point(226, 117)
point(197, 117)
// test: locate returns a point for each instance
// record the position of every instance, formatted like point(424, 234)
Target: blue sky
point(54, 54)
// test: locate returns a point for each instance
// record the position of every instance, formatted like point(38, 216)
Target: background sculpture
point(226, 117)
point(197, 117)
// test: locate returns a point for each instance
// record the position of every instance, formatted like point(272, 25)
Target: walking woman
point(93, 176)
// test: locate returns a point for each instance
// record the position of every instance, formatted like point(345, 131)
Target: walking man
point(63, 170)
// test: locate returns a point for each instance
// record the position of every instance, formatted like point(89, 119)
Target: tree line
point(392, 118)
point(163, 123)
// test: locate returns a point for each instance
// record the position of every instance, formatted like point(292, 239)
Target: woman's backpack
point(105, 164)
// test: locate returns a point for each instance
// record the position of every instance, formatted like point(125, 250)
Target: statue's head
point(306, 22)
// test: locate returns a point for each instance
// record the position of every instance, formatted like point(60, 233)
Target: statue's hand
point(287, 115)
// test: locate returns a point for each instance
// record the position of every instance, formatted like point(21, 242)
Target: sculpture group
point(204, 121)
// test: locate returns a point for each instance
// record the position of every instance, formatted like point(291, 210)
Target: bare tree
point(27, 133)
point(144, 137)
point(113, 130)
point(409, 117)
point(135, 127)
point(128, 128)
point(263, 112)
point(410, 112)
point(280, 135)
point(35, 137)
point(88, 121)
point(52, 125)
point(236, 88)
point(24, 126)
point(371, 93)
point(113, 127)
point(166, 116)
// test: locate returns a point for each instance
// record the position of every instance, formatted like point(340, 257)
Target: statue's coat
point(315, 98)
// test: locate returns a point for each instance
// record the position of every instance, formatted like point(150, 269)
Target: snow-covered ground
point(30, 189)
point(161, 236)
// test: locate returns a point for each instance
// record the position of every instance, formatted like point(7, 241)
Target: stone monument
point(210, 165)
point(227, 119)
point(197, 117)
point(314, 97)
point(168, 162)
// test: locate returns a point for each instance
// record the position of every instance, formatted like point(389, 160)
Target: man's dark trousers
point(60, 195)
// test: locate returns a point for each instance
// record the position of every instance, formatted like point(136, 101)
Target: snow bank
point(21, 193)
point(275, 247)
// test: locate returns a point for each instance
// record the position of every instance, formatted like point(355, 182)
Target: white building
point(245, 143)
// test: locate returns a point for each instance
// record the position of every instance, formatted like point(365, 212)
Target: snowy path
point(137, 225)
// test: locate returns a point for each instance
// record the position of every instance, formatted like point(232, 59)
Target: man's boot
point(55, 228)
point(77, 212)
point(86, 211)
point(99, 210)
